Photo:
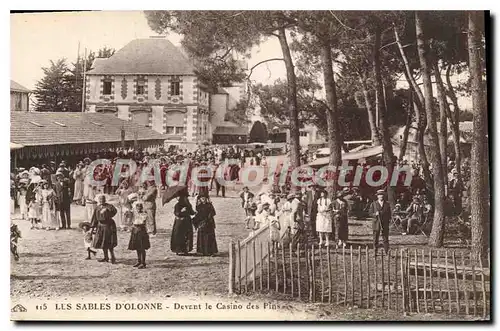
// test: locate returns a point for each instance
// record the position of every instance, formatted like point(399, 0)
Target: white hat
point(132, 197)
point(137, 203)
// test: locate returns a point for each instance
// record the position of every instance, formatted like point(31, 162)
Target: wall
point(193, 102)
point(218, 107)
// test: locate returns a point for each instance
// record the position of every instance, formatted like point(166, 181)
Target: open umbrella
point(173, 192)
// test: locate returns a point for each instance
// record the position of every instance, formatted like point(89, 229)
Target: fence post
point(375, 272)
point(396, 281)
point(464, 284)
point(438, 258)
point(246, 268)
point(417, 288)
point(291, 266)
point(320, 250)
point(447, 280)
point(367, 259)
point(456, 281)
point(382, 274)
point(337, 286)
point(268, 266)
point(403, 281)
point(360, 276)
point(313, 269)
point(275, 254)
point(298, 271)
point(425, 282)
point(231, 267)
point(345, 276)
point(239, 268)
point(483, 285)
point(284, 267)
point(310, 277)
point(432, 288)
point(352, 279)
point(471, 257)
point(254, 255)
point(261, 259)
point(328, 262)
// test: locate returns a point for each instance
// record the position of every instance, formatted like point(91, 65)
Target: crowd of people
point(44, 195)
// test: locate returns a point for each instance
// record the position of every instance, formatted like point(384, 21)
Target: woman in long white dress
point(47, 200)
point(323, 219)
point(79, 177)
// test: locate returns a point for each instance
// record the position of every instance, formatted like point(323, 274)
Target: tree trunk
point(419, 110)
point(292, 100)
point(371, 113)
point(332, 112)
point(388, 155)
point(406, 132)
point(443, 119)
point(455, 121)
point(479, 182)
point(437, 233)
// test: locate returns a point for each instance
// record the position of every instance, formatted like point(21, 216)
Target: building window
point(141, 118)
point(19, 102)
point(106, 87)
point(140, 88)
point(303, 133)
point(175, 86)
point(179, 130)
point(170, 130)
point(205, 128)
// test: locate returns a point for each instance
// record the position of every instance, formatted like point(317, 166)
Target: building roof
point(14, 86)
point(230, 128)
point(146, 56)
point(54, 128)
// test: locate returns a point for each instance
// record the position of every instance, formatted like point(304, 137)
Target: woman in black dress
point(105, 237)
point(182, 233)
point(206, 244)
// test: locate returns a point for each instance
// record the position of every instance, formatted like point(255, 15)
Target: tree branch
point(259, 63)
point(338, 20)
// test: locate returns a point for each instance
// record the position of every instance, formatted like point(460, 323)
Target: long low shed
point(39, 135)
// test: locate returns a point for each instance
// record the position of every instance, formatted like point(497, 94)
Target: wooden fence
point(403, 280)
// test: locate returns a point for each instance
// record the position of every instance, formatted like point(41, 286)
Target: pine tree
point(51, 92)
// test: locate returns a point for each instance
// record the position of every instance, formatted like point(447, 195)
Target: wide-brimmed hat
point(43, 181)
point(290, 196)
point(81, 225)
point(132, 197)
point(137, 203)
point(416, 197)
point(59, 173)
point(266, 204)
point(380, 192)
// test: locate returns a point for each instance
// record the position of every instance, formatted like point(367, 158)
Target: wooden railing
point(403, 280)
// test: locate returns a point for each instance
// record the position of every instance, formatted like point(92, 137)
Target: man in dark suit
point(63, 193)
point(455, 191)
point(312, 196)
point(381, 211)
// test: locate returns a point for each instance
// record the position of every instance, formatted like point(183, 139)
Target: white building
point(151, 82)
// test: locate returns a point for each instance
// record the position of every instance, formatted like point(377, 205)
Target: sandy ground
point(52, 266)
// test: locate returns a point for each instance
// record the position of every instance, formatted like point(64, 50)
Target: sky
point(40, 37)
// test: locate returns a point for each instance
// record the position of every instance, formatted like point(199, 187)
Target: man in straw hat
point(381, 211)
point(415, 215)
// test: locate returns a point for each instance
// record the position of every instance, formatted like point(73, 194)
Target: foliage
point(60, 90)
point(239, 114)
point(258, 133)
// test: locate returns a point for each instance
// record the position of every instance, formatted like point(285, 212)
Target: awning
point(14, 146)
point(362, 154)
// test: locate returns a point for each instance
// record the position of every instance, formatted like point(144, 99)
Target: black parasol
point(174, 192)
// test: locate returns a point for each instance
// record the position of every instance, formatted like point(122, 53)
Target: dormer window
point(141, 83)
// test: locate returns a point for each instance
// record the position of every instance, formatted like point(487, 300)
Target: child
point(139, 238)
point(87, 238)
point(21, 198)
point(274, 230)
